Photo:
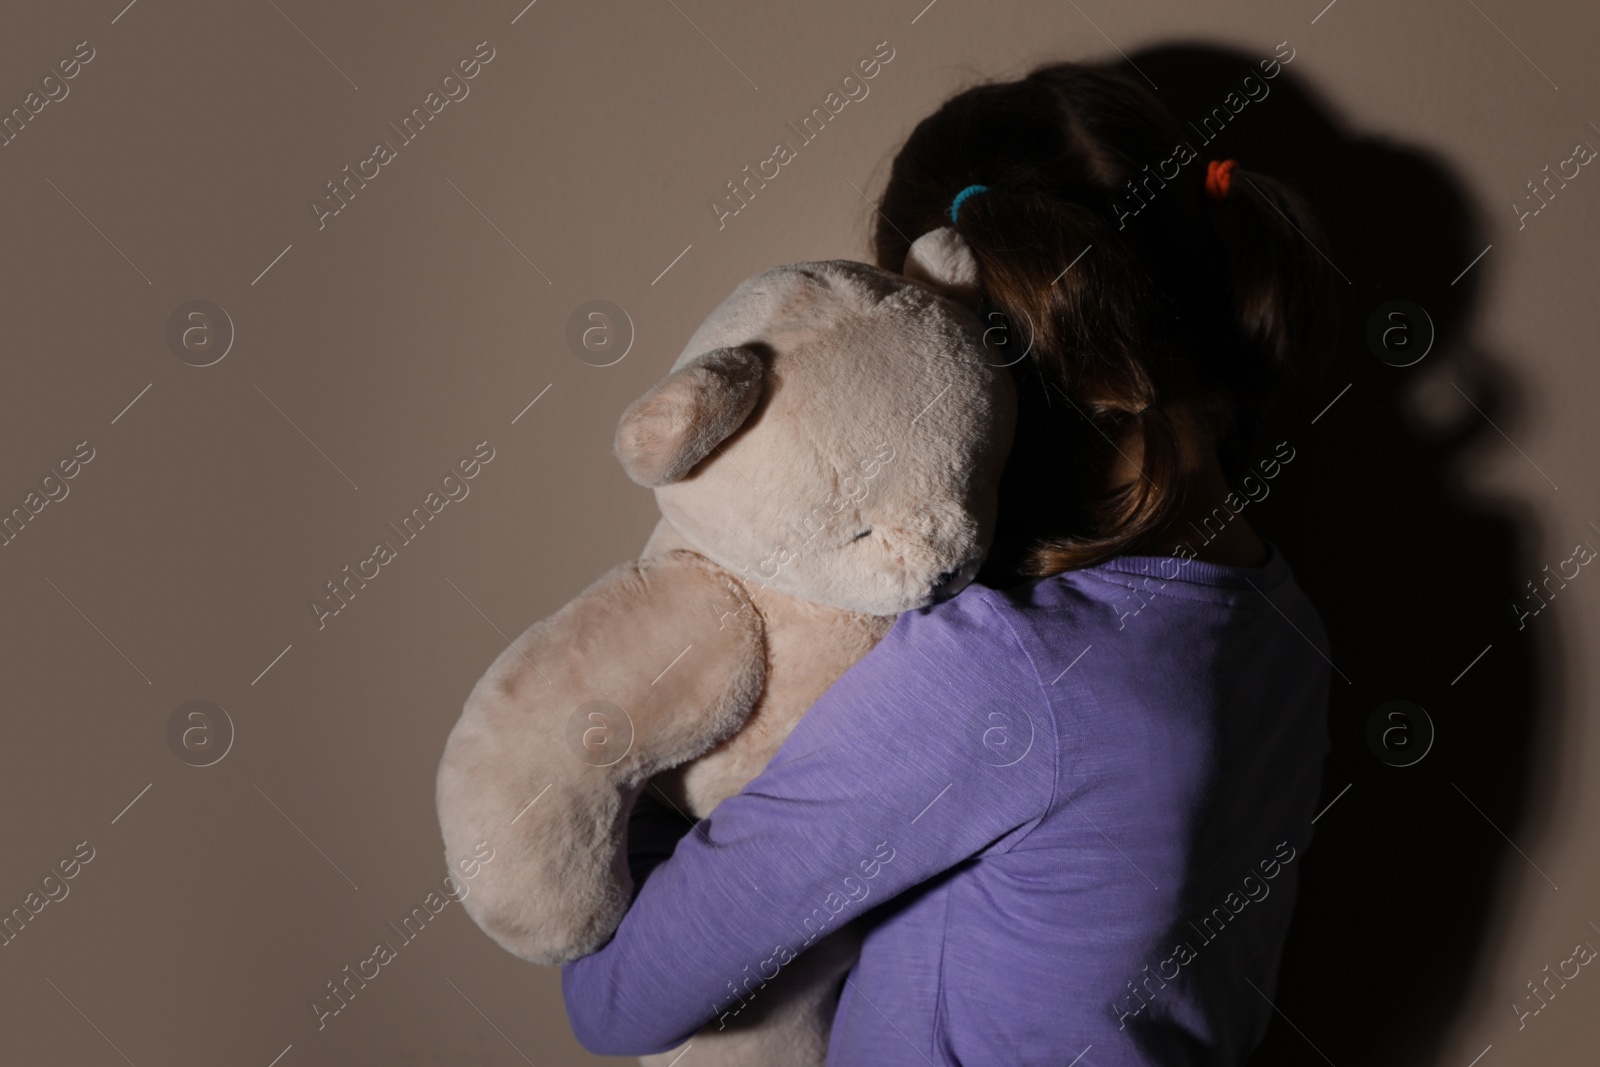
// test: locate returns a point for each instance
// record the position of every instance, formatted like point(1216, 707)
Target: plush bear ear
point(683, 417)
point(943, 260)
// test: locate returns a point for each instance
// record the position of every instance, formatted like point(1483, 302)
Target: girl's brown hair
point(1122, 289)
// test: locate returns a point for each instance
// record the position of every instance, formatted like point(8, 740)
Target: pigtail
point(1283, 297)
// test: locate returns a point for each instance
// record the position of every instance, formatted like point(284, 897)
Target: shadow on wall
point(1413, 577)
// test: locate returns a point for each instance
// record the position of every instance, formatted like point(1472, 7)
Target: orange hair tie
point(1218, 177)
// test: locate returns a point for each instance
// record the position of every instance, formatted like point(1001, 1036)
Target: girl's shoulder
point(1086, 596)
point(1138, 603)
point(971, 633)
point(951, 698)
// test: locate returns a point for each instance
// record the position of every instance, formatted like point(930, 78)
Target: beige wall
point(427, 314)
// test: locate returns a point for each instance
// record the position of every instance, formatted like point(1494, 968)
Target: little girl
point(1071, 801)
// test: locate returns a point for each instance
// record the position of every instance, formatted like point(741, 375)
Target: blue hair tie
point(971, 190)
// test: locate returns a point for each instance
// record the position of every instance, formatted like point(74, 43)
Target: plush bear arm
point(650, 666)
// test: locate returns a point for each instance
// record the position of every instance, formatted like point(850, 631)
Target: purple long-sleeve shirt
point(1075, 810)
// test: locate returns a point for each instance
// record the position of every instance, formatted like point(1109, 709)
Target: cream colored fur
point(825, 454)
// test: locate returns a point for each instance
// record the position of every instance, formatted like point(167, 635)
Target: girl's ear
point(943, 260)
point(664, 433)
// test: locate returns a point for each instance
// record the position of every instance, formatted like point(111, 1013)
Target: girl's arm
point(932, 748)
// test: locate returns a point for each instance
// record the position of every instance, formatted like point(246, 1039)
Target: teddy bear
point(825, 454)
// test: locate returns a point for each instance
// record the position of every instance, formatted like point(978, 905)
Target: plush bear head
point(835, 431)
